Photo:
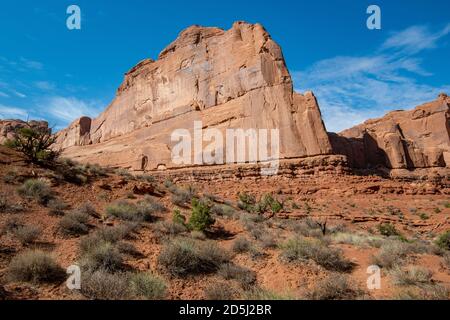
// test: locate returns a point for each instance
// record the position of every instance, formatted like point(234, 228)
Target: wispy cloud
point(352, 89)
point(67, 109)
point(31, 64)
point(9, 112)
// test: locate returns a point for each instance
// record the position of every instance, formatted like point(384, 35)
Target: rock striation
point(226, 79)
point(418, 138)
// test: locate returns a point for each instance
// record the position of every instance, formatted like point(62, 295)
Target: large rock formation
point(418, 138)
point(226, 79)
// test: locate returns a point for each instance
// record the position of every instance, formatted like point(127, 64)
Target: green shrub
point(27, 234)
point(75, 223)
point(35, 143)
point(200, 219)
point(184, 257)
point(36, 189)
point(301, 249)
point(335, 287)
point(443, 241)
point(388, 230)
point(178, 217)
point(247, 202)
point(148, 286)
point(35, 267)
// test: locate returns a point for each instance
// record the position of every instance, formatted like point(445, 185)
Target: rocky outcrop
point(418, 138)
point(225, 79)
point(8, 128)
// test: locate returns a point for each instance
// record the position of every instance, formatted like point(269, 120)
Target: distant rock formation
point(226, 79)
point(8, 128)
point(418, 138)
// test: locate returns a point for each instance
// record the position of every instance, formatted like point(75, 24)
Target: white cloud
point(8, 112)
point(31, 64)
point(17, 93)
point(4, 95)
point(351, 89)
point(68, 109)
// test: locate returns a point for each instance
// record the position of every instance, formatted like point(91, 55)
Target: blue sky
point(52, 73)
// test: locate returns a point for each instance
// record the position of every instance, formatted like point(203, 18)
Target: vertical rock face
point(226, 79)
point(419, 138)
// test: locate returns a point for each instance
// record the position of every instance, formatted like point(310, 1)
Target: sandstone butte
point(239, 79)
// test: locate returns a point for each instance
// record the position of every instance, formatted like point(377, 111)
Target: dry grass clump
point(127, 211)
point(241, 245)
point(36, 267)
point(301, 249)
point(219, 291)
point(102, 256)
point(36, 189)
point(335, 287)
point(103, 285)
point(7, 207)
point(424, 292)
point(57, 207)
point(411, 276)
point(75, 223)
point(147, 286)
point(245, 277)
point(391, 254)
point(27, 234)
point(183, 257)
point(169, 228)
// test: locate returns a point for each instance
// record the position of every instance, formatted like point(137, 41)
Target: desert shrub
point(222, 210)
point(424, 292)
point(88, 209)
point(200, 219)
point(11, 224)
point(169, 228)
point(198, 235)
point(74, 223)
point(391, 254)
point(244, 276)
point(443, 241)
point(103, 285)
point(301, 249)
point(129, 211)
point(267, 241)
point(357, 239)
point(36, 189)
point(103, 255)
point(181, 197)
point(264, 294)
point(35, 143)
point(411, 276)
point(10, 177)
point(7, 207)
point(36, 267)
point(219, 291)
point(178, 217)
point(307, 228)
point(128, 249)
point(388, 230)
point(268, 202)
point(57, 207)
point(124, 173)
point(241, 245)
point(246, 202)
point(116, 233)
point(446, 260)
point(27, 234)
point(184, 257)
point(335, 287)
point(147, 286)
